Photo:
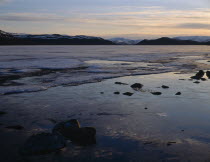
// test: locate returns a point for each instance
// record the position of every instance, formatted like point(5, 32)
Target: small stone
point(2, 113)
point(17, 127)
point(197, 82)
point(128, 93)
point(170, 143)
point(145, 108)
point(117, 93)
point(165, 87)
point(102, 92)
point(178, 93)
point(137, 86)
point(120, 83)
point(156, 93)
point(203, 79)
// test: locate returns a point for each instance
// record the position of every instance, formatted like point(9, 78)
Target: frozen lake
point(44, 85)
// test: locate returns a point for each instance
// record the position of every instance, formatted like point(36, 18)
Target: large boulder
point(43, 143)
point(71, 130)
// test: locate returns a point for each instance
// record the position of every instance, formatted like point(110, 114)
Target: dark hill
point(169, 41)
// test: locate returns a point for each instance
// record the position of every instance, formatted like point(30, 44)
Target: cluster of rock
point(44, 143)
point(138, 87)
point(200, 75)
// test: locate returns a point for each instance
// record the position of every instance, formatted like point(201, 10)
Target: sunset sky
point(107, 18)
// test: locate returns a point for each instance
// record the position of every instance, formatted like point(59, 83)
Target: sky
point(134, 19)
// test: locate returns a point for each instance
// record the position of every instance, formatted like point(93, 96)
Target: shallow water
point(172, 128)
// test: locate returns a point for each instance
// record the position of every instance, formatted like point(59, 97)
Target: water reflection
point(172, 128)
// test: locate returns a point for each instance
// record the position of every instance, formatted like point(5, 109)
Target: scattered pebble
point(178, 93)
point(120, 83)
point(16, 127)
point(170, 143)
point(197, 82)
point(117, 93)
point(147, 143)
point(203, 79)
point(156, 93)
point(128, 93)
point(165, 87)
point(2, 113)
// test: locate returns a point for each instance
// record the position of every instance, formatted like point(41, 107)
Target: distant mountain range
point(50, 39)
point(171, 41)
point(57, 39)
point(183, 40)
point(124, 41)
point(194, 38)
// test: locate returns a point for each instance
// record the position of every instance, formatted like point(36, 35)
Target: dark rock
point(102, 92)
point(72, 131)
point(156, 93)
point(178, 93)
point(197, 82)
point(199, 75)
point(17, 127)
point(182, 79)
point(120, 83)
point(52, 120)
point(103, 113)
point(73, 123)
point(165, 87)
point(2, 113)
point(82, 136)
point(145, 108)
point(117, 93)
point(148, 143)
point(128, 93)
point(137, 86)
point(208, 74)
point(43, 143)
point(170, 143)
point(203, 79)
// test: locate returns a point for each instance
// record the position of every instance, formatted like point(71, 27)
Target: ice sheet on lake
point(41, 67)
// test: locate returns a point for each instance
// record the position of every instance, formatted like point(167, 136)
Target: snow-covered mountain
point(124, 41)
point(52, 36)
point(194, 38)
point(50, 39)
